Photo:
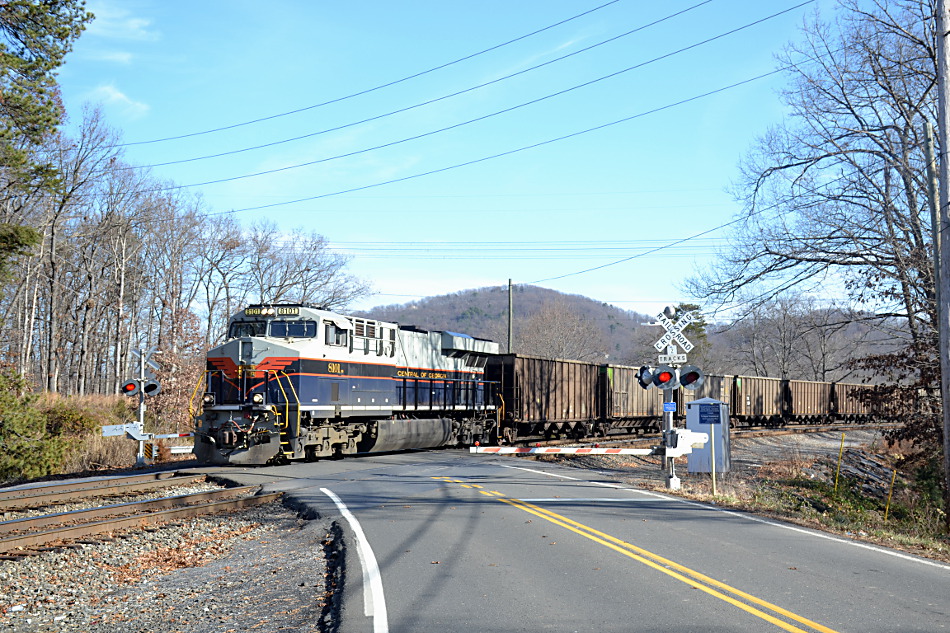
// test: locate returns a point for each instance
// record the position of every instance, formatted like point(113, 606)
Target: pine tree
point(35, 36)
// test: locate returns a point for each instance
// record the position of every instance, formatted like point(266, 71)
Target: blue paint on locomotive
point(347, 390)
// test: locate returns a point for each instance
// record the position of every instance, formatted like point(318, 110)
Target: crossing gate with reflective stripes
point(512, 450)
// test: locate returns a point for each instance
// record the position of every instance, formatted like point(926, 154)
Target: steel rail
point(61, 518)
point(42, 497)
point(734, 431)
point(14, 543)
point(84, 485)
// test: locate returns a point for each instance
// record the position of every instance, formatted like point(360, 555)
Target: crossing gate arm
point(512, 450)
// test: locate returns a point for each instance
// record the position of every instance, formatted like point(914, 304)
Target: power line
point(518, 244)
point(757, 300)
point(639, 255)
point(492, 156)
point(753, 213)
point(374, 88)
point(443, 98)
point(499, 112)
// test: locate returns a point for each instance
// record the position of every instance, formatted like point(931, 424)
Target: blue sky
point(462, 208)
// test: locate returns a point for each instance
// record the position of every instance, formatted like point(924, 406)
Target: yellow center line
point(673, 569)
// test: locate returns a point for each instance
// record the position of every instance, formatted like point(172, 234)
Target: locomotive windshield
point(278, 329)
point(293, 329)
point(241, 329)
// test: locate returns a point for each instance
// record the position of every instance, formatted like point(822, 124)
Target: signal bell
point(691, 377)
point(666, 377)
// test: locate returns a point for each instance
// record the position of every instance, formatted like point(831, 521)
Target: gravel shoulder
point(748, 457)
point(263, 569)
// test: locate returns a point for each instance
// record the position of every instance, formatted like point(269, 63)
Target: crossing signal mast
point(145, 384)
point(670, 374)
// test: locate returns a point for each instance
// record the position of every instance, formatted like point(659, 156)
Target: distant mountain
point(796, 341)
point(540, 317)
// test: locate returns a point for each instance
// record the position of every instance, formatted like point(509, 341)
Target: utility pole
point(943, 228)
point(511, 314)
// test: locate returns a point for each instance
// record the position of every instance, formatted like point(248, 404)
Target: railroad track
point(28, 535)
point(652, 438)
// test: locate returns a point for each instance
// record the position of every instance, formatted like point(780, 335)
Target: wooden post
point(510, 318)
point(943, 310)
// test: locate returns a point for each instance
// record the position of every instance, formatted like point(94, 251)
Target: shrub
point(27, 448)
point(69, 417)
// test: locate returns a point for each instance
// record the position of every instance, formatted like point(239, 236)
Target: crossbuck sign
point(674, 332)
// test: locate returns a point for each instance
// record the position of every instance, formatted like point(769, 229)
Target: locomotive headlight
point(257, 398)
point(208, 399)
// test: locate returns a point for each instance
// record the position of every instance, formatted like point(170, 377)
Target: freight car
point(296, 381)
point(544, 397)
point(553, 398)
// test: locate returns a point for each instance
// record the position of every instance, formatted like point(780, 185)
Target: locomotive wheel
point(278, 460)
point(310, 453)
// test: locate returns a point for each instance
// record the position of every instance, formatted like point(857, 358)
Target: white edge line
point(749, 517)
point(372, 579)
point(811, 532)
point(540, 472)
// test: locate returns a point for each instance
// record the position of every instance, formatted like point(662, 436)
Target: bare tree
point(838, 192)
point(298, 267)
point(555, 331)
point(79, 163)
point(222, 259)
point(837, 195)
point(793, 336)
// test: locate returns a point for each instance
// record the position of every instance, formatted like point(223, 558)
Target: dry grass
point(94, 452)
point(801, 490)
point(79, 420)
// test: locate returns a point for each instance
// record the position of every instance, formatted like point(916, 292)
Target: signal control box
point(707, 415)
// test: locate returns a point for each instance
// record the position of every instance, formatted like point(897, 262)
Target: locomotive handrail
point(192, 412)
point(286, 423)
point(293, 390)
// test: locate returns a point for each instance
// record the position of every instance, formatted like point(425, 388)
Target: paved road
point(448, 541)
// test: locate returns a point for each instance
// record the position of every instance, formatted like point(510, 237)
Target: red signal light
point(666, 377)
point(129, 388)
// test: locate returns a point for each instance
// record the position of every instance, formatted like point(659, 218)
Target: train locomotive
point(296, 381)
